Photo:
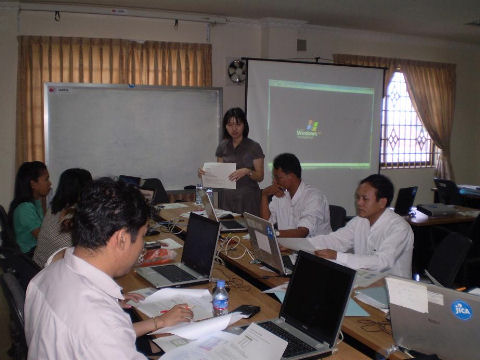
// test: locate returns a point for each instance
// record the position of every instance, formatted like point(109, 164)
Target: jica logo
point(461, 310)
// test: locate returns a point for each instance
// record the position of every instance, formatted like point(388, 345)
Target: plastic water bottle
point(220, 299)
point(198, 198)
point(210, 195)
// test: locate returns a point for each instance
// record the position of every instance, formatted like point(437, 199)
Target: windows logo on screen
point(310, 130)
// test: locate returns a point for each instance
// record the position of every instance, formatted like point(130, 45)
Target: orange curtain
point(431, 87)
point(100, 61)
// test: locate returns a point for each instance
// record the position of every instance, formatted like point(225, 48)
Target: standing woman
point(32, 184)
point(55, 232)
point(237, 147)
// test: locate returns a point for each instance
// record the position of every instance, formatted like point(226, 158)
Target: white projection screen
point(327, 115)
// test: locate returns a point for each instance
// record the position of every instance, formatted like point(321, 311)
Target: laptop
point(225, 225)
point(405, 199)
point(314, 307)
point(437, 209)
point(431, 319)
point(197, 258)
point(265, 245)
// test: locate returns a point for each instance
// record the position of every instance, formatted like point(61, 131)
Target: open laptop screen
point(317, 296)
point(200, 243)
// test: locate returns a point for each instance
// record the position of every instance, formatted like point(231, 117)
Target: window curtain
point(431, 87)
point(100, 61)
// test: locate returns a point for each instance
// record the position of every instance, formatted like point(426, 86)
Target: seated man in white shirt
point(72, 308)
point(376, 239)
point(299, 210)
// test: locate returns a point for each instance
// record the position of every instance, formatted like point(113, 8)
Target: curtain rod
point(144, 13)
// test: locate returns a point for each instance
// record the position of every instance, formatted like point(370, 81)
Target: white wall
point(248, 38)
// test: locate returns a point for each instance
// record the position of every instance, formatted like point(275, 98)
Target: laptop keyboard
point(174, 273)
point(295, 345)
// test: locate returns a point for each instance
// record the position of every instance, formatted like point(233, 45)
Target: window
point(405, 143)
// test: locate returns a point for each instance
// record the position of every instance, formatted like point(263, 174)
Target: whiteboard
point(143, 131)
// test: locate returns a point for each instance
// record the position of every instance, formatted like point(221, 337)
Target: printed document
point(217, 175)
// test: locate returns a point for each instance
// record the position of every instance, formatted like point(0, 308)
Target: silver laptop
point(197, 258)
point(432, 319)
point(314, 307)
point(225, 225)
point(265, 244)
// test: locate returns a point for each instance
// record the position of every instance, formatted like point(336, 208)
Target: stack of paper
point(374, 296)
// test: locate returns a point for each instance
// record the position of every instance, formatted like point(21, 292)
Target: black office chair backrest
point(15, 296)
point(474, 235)
point(156, 185)
point(448, 258)
point(22, 267)
point(337, 217)
point(7, 235)
point(448, 192)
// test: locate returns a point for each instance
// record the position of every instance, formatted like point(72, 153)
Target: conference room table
point(372, 331)
point(463, 215)
point(240, 292)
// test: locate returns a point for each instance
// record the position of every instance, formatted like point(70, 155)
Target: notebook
point(265, 245)
point(405, 199)
point(225, 225)
point(314, 306)
point(197, 258)
point(432, 319)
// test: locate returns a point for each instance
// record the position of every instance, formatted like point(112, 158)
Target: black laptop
point(405, 199)
point(197, 257)
point(314, 307)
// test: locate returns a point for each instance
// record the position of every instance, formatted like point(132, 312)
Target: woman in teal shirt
point(26, 212)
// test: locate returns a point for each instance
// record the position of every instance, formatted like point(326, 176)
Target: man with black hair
point(380, 239)
point(72, 308)
point(300, 210)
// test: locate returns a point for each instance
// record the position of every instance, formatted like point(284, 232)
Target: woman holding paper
point(237, 147)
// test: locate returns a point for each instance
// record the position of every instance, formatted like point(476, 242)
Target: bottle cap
point(220, 283)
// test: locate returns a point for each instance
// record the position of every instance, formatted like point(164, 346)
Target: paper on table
point(374, 296)
point(198, 329)
point(408, 294)
point(365, 278)
point(199, 300)
point(253, 341)
point(216, 175)
point(353, 309)
point(197, 349)
point(282, 287)
point(169, 243)
point(279, 291)
point(173, 205)
point(297, 244)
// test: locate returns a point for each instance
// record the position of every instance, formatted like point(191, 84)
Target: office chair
point(22, 267)
point(448, 258)
point(7, 236)
point(337, 217)
point(448, 192)
point(15, 297)
point(156, 185)
point(469, 274)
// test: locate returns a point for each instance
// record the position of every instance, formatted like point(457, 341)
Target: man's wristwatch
point(277, 233)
